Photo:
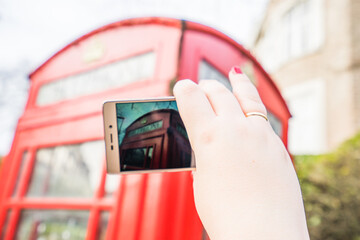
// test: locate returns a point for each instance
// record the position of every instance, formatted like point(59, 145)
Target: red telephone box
point(53, 181)
point(161, 143)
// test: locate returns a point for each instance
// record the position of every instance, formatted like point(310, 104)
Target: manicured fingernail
point(237, 70)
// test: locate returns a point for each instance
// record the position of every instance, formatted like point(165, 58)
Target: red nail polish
point(237, 70)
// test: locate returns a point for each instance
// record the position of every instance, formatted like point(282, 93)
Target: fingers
point(246, 93)
point(199, 104)
point(221, 99)
point(194, 107)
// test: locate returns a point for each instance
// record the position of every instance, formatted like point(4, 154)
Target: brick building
point(312, 50)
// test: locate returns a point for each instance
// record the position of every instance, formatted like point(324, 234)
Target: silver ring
point(250, 114)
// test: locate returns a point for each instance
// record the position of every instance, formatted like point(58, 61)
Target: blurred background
point(311, 49)
point(31, 32)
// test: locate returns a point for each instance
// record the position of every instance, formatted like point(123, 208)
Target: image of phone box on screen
point(152, 136)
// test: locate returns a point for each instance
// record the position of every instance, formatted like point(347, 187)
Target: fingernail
point(237, 70)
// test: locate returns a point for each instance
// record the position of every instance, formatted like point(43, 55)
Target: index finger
point(194, 107)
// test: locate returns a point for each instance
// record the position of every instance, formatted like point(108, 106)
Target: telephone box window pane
point(24, 157)
point(103, 223)
point(150, 152)
point(107, 77)
point(67, 171)
point(4, 227)
point(149, 156)
point(208, 71)
point(52, 224)
point(111, 184)
point(135, 157)
point(275, 123)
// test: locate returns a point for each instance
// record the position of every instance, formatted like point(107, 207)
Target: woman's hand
point(245, 185)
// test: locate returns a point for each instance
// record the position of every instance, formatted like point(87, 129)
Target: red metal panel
point(11, 175)
point(191, 226)
point(131, 206)
point(11, 231)
point(114, 217)
point(150, 213)
point(93, 223)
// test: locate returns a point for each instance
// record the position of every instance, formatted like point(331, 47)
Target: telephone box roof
point(170, 22)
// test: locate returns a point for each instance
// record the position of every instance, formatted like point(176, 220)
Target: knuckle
point(185, 87)
point(213, 86)
point(252, 103)
point(206, 135)
point(254, 97)
point(254, 106)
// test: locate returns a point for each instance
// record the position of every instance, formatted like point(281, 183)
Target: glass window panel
point(111, 184)
point(150, 152)
point(207, 71)
point(52, 224)
point(24, 157)
point(67, 171)
point(104, 219)
point(275, 123)
point(110, 76)
point(4, 227)
point(134, 157)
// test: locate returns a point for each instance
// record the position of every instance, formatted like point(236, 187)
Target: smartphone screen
point(150, 136)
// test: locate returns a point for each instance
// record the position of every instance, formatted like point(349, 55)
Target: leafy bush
point(331, 190)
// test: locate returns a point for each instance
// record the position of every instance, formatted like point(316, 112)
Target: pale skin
point(245, 185)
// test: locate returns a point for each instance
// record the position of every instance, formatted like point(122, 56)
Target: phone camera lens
point(110, 126)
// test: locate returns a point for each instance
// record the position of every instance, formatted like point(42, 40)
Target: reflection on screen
point(152, 136)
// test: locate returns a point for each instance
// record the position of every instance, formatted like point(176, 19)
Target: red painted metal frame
point(172, 192)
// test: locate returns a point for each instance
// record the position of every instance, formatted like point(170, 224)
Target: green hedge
point(331, 190)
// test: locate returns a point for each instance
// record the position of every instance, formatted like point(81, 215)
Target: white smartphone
point(145, 135)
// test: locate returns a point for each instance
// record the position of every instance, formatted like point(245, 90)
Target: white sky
point(32, 31)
